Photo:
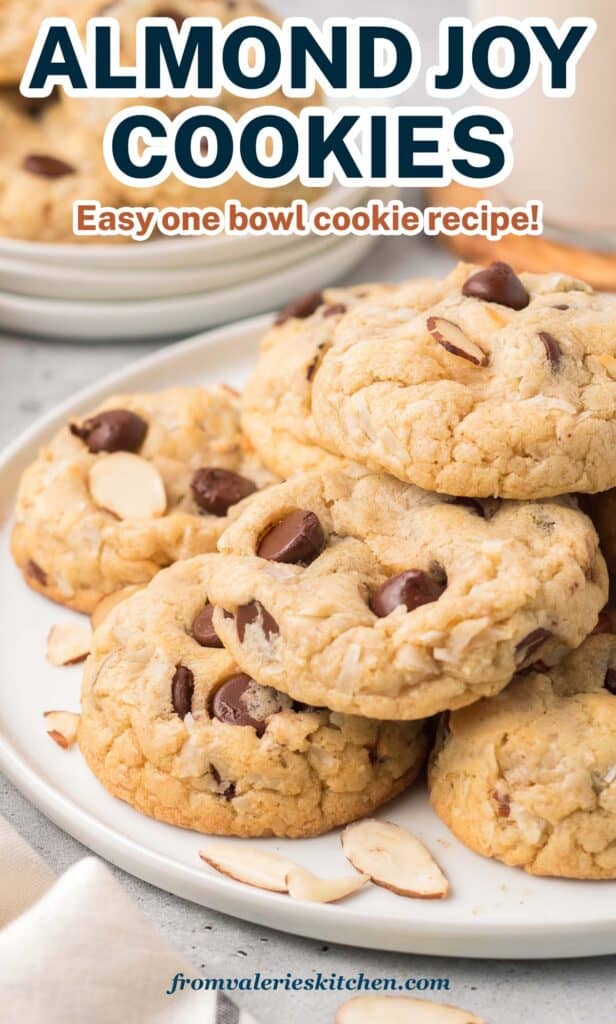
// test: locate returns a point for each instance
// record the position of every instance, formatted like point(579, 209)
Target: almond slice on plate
point(393, 858)
point(108, 603)
point(246, 864)
point(62, 727)
point(401, 1010)
point(69, 643)
point(455, 341)
point(128, 486)
point(303, 885)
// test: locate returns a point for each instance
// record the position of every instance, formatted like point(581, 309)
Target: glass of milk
point(565, 148)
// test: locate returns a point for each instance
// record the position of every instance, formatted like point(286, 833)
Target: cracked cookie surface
point(484, 384)
point(173, 728)
point(69, 543)
point(355, 590)
point(277, 399)
point(529, 777)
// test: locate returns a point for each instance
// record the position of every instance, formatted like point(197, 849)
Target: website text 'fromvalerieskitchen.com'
point(317, 981)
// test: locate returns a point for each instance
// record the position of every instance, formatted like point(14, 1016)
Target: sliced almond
point(303, 885)
point(454, 340)
point(246, 864)
point(401, 1010)
point(62, 727)
point(69, 643)
point(108, 603)
point(394, 858)
point(128, 486)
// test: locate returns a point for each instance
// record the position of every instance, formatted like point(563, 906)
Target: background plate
point(493, 911)
point(164, 317)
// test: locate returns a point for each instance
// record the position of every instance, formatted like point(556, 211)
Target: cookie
point(276, 403)
point(53, 155)
point(354, 590)
point(171, 725)
point(46, 164)
point(141, 482)
point(529, 777)
point(485, 384)
point(602, 511)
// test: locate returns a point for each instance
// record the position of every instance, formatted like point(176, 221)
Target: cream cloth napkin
point(77, 950)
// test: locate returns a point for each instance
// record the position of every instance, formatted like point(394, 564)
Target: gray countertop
point(34, 376)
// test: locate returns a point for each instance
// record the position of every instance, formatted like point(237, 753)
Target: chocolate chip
point(216, 490)
point(297, 539)
point(204, 147)
point(301, 309)
point(117, 430)
point(46, 166)
point(337, 310)
point(229, 703)
point(529, 646)
point(610, 681)
point(229, 792)
point(203, 630)
point(503, 805)
point(552, 349)
point(182, 688)
point(411, 589)
point(562, 305)
point(36, 573)
point(252, 612)
point(497, 283)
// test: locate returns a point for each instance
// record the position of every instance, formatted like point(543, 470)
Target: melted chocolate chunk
point(497, 283)
point(182, 689)
point(410, 589)
point(216, 490)
point(117, 430)
point(297, 539)
point(203, 629)
point(252, 612)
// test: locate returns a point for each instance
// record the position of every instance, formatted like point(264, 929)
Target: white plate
point(52, 281)
point(163, 317)
point(169, 252)
point(493, 911)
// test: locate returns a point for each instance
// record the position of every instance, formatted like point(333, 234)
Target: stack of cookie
point(51, 153)
point(423, 550)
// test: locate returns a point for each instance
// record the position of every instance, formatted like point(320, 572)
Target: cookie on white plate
point(352, 589)
point(170, 724)
point(529, 777)
point(141, 482)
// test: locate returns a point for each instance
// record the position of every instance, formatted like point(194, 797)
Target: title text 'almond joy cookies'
point(276, 402)
point(357, 591)
point(142, 482)
point(484, 384)
point(170, 724)
point(529, 777)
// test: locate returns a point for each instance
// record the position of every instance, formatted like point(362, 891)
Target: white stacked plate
point(166, 287)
